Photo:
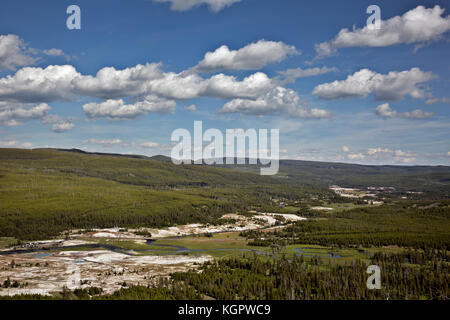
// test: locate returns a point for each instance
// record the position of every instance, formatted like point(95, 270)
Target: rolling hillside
point(431, 179)
point(46, 191)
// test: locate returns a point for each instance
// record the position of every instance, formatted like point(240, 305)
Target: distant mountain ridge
point(160, 171)
point(285, 162)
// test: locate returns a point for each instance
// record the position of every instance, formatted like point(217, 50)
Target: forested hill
point(158, 171)
point(129, 169)
point(323, 174)
point(411, 178)
point(46, 191)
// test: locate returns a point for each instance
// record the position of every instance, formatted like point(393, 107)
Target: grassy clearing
point(7, 242)
point(338, 207)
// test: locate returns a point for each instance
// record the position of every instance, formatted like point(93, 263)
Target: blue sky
point(379, 97)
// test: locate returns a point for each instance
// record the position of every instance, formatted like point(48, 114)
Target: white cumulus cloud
point(13, 53)
point(118, 110)
point(63, 126)
point(106, 142)
point(149, 144)
point(8, 143)
point(291, 75)
point(34, 85)
point(131, 92)
point(345, 149)
point(228, 87)
point(418, 25)
point(374, 151)
point(54, 52)
point(356, 156)
point(110, 83)
point(251, 57)
point(387, 154)
point(277, 101)
point(191, 108)
point(392, 86)
point(58, 123)
point(385, 111)
point(15, 115)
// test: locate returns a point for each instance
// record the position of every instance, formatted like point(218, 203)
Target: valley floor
point(115, 258)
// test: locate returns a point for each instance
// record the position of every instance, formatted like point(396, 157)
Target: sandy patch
point(104, 256)
point(18, 291)
point(322, 208)
point(100, 268)
point(105, 235)
point(242, 223)
point(287, 217)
